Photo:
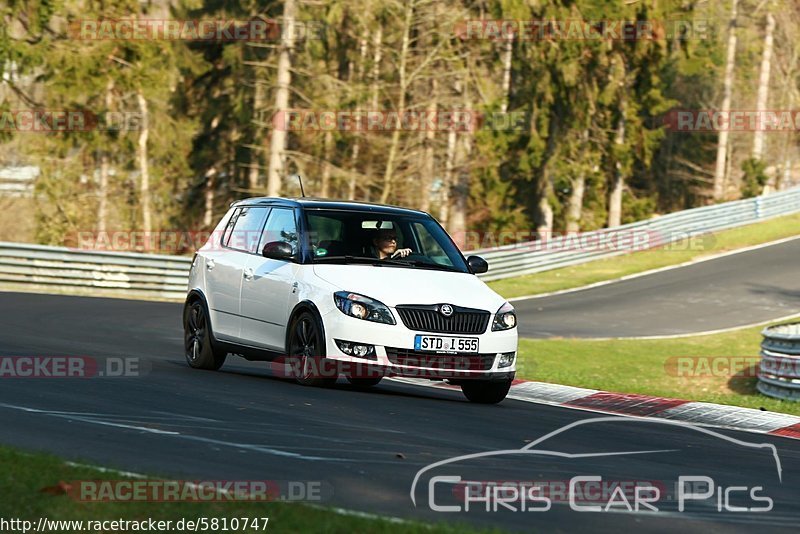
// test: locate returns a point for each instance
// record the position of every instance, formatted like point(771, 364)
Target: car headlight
point(505, 318)
point(362, 307)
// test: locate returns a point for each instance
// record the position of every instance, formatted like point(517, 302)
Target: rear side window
point(226, 233)
point(247, 228)
point(281, 226)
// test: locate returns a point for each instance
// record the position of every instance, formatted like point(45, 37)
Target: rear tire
point(485, 391)
point(198, 347)
point(307, 352)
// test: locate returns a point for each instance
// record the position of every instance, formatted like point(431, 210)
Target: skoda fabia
point(349, 289)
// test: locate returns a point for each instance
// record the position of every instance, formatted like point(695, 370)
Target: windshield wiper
point(348, 259)
point(423, 264)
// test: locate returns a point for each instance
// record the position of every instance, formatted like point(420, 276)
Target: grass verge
point(26, 475)
point(637, 262)
point(717, 368)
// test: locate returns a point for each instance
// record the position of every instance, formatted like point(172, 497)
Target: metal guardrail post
point(779, 370)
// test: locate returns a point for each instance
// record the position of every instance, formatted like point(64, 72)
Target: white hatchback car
point(346, 288)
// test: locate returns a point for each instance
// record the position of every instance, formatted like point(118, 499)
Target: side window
point(247, 229)
point(281, 226)
point(226, 233)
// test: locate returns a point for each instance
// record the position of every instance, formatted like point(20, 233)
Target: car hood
point(399, 285)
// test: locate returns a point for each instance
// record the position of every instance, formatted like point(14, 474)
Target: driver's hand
point(401, 253)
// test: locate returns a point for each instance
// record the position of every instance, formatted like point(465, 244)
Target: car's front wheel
point(199, 352)
point(307, 352)
point(485, 391)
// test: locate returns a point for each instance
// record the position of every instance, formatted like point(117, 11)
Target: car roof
point(325, 203)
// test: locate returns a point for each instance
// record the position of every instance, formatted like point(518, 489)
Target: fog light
point(359, 350)
point(506, 359)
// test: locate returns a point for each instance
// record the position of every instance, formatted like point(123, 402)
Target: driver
point(385, 245)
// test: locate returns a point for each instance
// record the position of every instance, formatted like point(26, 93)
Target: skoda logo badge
point(446, 310)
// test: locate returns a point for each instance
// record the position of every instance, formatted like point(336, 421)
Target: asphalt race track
point(241, 424)
point(730, 291)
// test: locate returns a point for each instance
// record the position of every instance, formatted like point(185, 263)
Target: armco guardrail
point(566, 250)
point(779, 371)
point(125, 274)
point(132, 274)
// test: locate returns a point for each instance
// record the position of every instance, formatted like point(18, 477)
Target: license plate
point(446, 344)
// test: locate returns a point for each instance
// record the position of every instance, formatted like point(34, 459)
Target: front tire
point(485, 391)
point(307, 352)
point(198, 349)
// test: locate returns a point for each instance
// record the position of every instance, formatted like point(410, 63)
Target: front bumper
point(395, 354)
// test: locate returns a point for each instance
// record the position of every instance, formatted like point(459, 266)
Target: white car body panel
point(251, 299)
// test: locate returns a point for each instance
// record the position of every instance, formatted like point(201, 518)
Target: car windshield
point(408, 240)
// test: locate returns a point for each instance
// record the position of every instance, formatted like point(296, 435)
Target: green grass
point(643, 366)
point(637, 262)
point(25, 475)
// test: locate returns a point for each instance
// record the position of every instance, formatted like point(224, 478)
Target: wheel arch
point(196, 294)
point(303, 306)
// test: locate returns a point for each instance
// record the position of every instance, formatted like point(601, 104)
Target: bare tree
point(102, 193)
point(144, 169)
point(722, 140)
point(763, 85)
point(277, 145)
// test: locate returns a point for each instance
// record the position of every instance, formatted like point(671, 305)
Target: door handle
point(210, 265)
point(248, 274)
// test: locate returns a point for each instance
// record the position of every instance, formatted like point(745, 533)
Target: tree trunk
point(327, 153)
point(449, 165)
point(144, 168)
point(102, 193)
point(377, 55)
point(575, 203)
point(722, 140)
point(388, 174)
point(460, 193)
point(351, 183)
point(457, 225)
point(429, 156)
point(255, 159)
point(507, 57)
point(544, 224)
point(208, 212)
point(277, 146)
point(782, 181)
point(618, 182)
point(763, 86)
point(575, 200)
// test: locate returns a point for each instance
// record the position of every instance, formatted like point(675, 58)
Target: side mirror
point(277, 250)
point(477, 265)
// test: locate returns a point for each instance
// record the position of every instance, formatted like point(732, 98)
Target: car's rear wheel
point(198, 349)
point(485, 391)
point(307, 352)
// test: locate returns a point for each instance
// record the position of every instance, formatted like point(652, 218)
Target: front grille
point(462, 362)
point(429, 319)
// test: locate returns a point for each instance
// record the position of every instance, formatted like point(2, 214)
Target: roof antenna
point(300, 179)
